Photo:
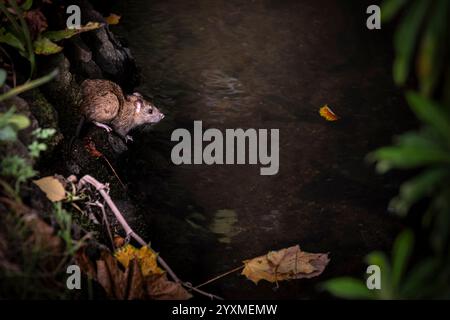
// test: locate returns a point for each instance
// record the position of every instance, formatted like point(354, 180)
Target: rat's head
point(145, 112)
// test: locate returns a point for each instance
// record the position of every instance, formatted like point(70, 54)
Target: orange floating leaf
point(328, 114)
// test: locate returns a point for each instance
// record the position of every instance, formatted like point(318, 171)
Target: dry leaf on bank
point(160, 288)
point(285, 264)
point(123, 278)
point(328, 114)
point(118, 284)
point(145, 256)
point(53, 188)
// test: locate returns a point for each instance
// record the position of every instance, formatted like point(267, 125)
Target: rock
point(114, 60)
point(63, 93)
point(81, 57)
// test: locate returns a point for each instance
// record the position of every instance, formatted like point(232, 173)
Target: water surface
point(264, 64)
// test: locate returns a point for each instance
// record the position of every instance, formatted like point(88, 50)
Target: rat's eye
point(150, 110)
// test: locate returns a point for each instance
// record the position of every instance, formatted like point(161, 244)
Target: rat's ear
point(137, 94)
point(138, 105)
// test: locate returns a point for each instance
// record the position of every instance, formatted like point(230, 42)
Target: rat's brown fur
point(105, 103)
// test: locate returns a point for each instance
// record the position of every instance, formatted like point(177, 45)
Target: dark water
point(264, 64)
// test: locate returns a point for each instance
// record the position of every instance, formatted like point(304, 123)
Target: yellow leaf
point(285, 264)
point(112, 19)
point(53, 188)
point(146, 258)
point(328, 114)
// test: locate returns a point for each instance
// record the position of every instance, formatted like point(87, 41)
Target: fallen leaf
point(69, 33)
point(328, 114)
point(285, 264)
point(85, 264)
point(53, 188)
point(113, 19)
point(45, 46)
point(130, 283)
point(110, 276)
point(160, 288)
point(145, 256)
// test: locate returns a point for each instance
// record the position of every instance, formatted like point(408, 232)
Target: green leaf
point(11, 40)
point(8, 134)
point(417, 188)
point(35, 149)
point(430, 112)
point(28, 85)
point(431, 58)
point(3, 75)
point(348, 288)
point(418, 279)
point(401, 253)
point(19, 121)
point(407, 157)
point(46, 47)
point(27, 5)
point(405, 40)
point(69, 33)
point(390, 8)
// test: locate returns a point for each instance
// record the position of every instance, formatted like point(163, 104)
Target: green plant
point(64, 221)
point(28, 86)
point(428, 150)
point(396, 281)
point(422, 38)
point(37, 146)
point(11, 123)
point(15, 166)
point(17, 34)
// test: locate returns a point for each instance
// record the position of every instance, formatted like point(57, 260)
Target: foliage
point(397, 282)
point(27, 32)
point(421, 37)
point(28, 85)
point(427, 151)
point(15, 166)
point(11, 123)
point(32, 253)
point(17, 33)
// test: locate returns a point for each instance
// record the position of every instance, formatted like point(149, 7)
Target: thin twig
point(130, 233)
point(114, 172)
point(219, 276)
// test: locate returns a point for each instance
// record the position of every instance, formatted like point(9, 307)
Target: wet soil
point(264, 64)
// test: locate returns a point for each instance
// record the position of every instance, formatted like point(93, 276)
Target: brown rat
point(105, 105)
